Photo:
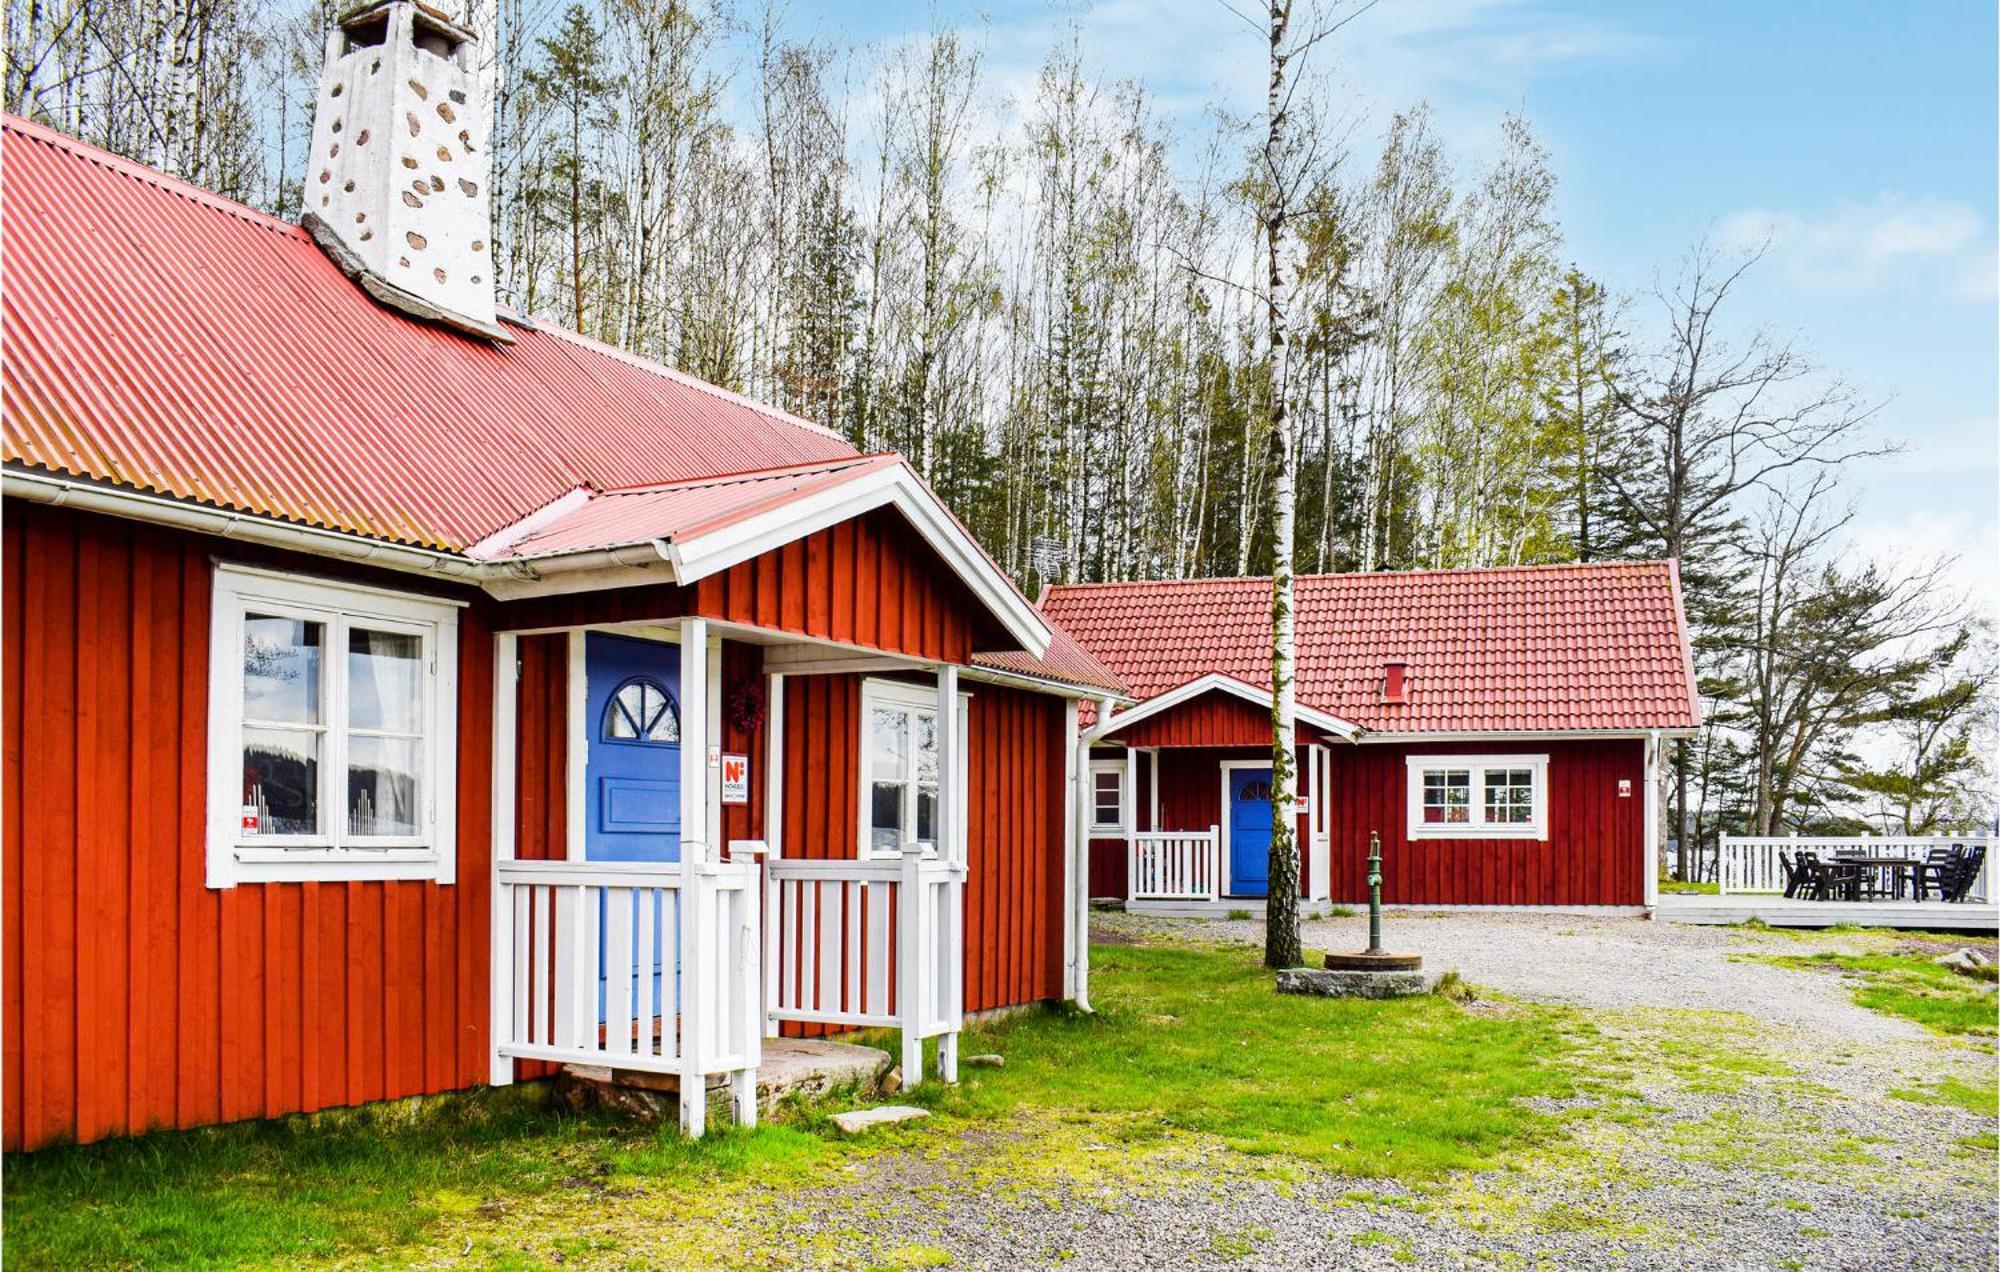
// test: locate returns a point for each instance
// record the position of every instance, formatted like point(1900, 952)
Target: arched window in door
point(641, 711)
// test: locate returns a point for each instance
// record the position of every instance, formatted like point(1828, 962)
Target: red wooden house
point(402, 694)
point(1500, 730)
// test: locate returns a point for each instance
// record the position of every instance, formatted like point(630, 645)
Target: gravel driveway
point(1765, 1135)
point(1746, 1121)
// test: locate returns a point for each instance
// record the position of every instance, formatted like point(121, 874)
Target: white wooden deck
point(1776, 911)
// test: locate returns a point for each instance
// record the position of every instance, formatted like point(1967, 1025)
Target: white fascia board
point(697, 558)
point(1216, 681)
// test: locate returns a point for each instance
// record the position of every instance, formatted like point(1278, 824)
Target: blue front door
point(1249, 831)
point(632, 783)
point(632, 775)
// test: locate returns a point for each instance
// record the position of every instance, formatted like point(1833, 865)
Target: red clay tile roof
point(1528, 649)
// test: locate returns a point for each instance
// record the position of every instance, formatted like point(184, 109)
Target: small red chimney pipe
point(1394, 686)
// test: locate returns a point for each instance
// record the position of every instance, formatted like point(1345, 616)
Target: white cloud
point(1969, 540)
point(1896, 240)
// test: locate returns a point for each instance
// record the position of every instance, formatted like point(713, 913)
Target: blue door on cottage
point(632, 778)
point(1249, 831)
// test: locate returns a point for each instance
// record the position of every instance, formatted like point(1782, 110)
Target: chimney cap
point(1395, 680)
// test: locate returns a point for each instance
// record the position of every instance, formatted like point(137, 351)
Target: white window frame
point(916, 698)
point(332, 855)
point(1109, 766)
point(1477, 827)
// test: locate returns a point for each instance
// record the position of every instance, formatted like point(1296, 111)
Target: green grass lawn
point(1183, 1039)
point(1688, 887)
point(1912, 986)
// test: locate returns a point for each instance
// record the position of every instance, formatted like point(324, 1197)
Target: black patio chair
point(1968, 870)
point(1936, 871)
point(1798, 880)
point(1831, 880)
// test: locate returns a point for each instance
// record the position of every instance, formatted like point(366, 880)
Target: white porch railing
point(869, 944)
point(1173, 865)
point(631, 965)
point(1750, 863)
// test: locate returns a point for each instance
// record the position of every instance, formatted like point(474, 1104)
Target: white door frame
point(1227, 854)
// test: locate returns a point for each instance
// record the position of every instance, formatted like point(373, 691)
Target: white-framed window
point(332, 738)
point(899, 767)
point(1107, 797)
point(1479, 796)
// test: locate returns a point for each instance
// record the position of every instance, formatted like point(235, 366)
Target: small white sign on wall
point(735, 779)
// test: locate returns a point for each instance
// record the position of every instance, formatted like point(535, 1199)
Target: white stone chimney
point(396, 191)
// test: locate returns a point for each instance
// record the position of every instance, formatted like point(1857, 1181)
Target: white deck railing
point(631, 965)
point(869, 944)
point(1750, 862)
point(1174, 865)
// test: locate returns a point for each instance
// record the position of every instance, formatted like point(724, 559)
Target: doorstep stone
point(858, 1120)
point(1324, 983)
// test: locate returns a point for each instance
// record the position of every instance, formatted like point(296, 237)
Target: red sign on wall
point(735, 779)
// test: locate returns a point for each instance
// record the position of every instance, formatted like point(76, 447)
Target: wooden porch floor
point(1776, 911)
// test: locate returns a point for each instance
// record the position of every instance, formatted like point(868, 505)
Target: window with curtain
point(330, 730)
point(1478, 797)
point(899, 766)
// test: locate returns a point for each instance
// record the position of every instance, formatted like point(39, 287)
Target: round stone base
point(1337, 984)
point(1365, 962)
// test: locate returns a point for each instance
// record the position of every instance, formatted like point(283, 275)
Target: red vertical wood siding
point(869, 582)
point(137, 997)
point(1212, 719)
point(1593, 855)
point(1015, 817)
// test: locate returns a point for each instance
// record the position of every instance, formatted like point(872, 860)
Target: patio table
point(1902, 868)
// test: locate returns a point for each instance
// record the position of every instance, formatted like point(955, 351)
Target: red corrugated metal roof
point(160, 337)
point(677, 510)
point(165, 339)
point(1528, 649)
point(1067, 661)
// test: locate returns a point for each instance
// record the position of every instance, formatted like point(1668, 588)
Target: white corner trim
point(1417, 828)
point(1217, 682)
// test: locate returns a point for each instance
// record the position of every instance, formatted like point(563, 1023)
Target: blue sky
point(1860, 138)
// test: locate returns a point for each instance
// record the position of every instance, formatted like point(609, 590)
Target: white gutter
point(158, 510)
point(245, 527)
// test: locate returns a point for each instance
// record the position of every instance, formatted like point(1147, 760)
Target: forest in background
point(1049, 301)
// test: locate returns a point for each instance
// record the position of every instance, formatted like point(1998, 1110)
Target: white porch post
point(577, 746)
point(1651, 871)
point(949, 922)
point(695, 848)
point(912, 969)
point(774, 838)
point(501, 1025)
point(1076, 876)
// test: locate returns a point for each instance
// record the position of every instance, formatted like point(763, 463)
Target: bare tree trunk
point(1281, 902)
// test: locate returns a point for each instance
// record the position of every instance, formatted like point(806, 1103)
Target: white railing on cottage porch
point(648, 966)
point(876, 943)
point(1750, 863)
point(1174, 865)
